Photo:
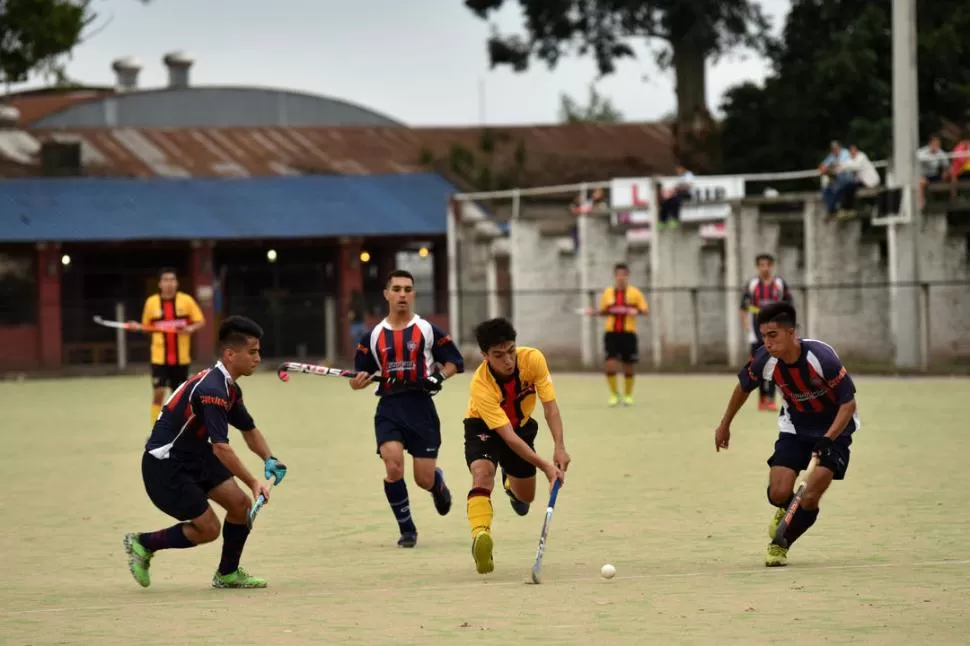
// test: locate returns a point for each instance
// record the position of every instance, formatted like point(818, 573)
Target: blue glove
point(275, 468)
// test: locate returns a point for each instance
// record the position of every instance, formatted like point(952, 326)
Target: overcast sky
point(424, 68)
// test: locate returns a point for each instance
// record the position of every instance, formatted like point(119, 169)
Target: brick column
point(202, 279)
point(349, 278)
point(49, 337)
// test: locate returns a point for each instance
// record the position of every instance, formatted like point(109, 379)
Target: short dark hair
point(782, 314)
point(235, 331)
point(167, 270)
point(621, 265)
point(399, 273)
point(764, 256)
point(494, 332)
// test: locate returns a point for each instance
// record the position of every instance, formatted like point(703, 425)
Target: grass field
point(887, 563)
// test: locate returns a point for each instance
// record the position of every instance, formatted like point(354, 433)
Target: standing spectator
point(932, 166)
point(672, 199)
point(864, 174)
point(832, 166)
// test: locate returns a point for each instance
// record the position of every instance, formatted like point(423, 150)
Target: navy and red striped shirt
point(813, 388)
point(757, 294)
point(197, 414)
point(409, 355)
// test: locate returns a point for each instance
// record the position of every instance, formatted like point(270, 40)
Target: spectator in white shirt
point(933, 164)
point(863, 174)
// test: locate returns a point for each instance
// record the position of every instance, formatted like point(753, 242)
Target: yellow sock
point(156, 409)
point(611, 380)
point(479, 511)
point(628, 383)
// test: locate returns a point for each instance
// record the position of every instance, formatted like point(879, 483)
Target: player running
point(500, 430)
point(763, 289)
point(416, 357)
point(170, 351)
point(188, 461)
point(818, 417)
point(621, 304)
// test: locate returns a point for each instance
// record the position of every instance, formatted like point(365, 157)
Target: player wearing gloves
point(188, 461)
point(414, 357)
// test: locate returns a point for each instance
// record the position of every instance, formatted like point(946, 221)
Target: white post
point(120, 338)
point(454, 304)
point(695, 328)
point(491, 284)
point(655, 282)
point(905, 146)
point(587, 349)
point(330, 323)
point(809, 214)
point(731, 283)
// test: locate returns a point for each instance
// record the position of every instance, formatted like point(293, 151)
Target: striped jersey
point(198, 413)
point(613, 301)
point(171, 348)
point(813, 388)
point(409, 355)
point(759, 293)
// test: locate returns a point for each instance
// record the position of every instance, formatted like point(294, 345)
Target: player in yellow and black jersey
point(171, 350)
point(621, 304)
point(500, 430)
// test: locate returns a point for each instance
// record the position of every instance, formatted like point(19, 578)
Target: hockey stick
point(135, 326)
point(545, 531)
point(283, 372)
point(251, 517)
point(622, 311)
point(779, 538)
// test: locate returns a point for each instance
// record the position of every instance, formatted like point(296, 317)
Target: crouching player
point(188, 461)
point(500, 430)
point(818, 417)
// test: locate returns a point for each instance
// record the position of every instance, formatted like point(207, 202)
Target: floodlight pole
point(906, 303)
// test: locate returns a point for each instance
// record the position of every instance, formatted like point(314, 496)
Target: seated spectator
point(673, 198)
point(840, 179)
point(864, 174)
point(932, 166)
point(960, 163)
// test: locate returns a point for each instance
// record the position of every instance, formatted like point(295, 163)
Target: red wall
point(18, 347)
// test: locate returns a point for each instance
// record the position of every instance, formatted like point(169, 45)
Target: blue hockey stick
point(545, 531)
point(257, 506)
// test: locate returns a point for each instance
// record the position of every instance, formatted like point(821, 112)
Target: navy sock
point(172, 538)
point(800, 522)
point(233, 541)
point(397, 496)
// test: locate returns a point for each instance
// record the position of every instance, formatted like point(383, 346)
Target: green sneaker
point(614, 400)
point(238, 579)
point(139, 560)
point(775, 521)
point(777, 556)
point(482, 552)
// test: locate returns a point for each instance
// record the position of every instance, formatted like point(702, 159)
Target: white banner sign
point(637, 193)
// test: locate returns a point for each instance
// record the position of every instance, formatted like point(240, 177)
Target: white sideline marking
point(219, 599)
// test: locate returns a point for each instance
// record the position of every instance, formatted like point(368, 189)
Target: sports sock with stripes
point(397, 497)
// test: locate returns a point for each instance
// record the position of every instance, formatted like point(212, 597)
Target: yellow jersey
point(510, 401)
point(629, 297)
point(171, 348)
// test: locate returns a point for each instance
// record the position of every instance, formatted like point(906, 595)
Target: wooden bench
point(91, 353)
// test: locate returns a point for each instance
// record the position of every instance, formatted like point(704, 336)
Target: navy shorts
point(795, 452)
point(412, 420)
point(482, 443)
point(180, 487)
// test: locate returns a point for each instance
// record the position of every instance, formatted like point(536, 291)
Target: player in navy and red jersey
point(818, 417)
point(188, 461)
point(415, 357)
point(763, 289)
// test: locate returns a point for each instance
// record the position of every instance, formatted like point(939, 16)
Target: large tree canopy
point(682, 34)
point(35, 35)
point(832, 79)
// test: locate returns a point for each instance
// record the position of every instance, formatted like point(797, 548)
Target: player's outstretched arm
point(722, 434)
point(272, 467)
point(554, 421)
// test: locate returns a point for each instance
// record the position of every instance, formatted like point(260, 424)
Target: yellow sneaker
point(775, 521)
point(482, 552)
point(777, 556)
point(614, 400)
point(628, 400)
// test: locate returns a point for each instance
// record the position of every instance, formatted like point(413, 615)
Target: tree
point(600, 109)
point(35, 35)
point(832, 79)
point(684, 35)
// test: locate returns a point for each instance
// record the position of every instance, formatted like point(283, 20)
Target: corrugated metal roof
point(34, 105)
point(87, 209)
point(553, 154)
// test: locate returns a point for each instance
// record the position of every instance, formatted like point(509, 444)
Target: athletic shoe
point(442, 496)
point(482, 552)
point(777, 556)
point(408, 539)
point(238, 579)
point(139, 560)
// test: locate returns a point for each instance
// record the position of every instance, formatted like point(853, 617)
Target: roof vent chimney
point(9, 117)
point(126, 73)
point(178, 64)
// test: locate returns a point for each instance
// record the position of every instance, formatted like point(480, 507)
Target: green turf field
point(887, 563)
